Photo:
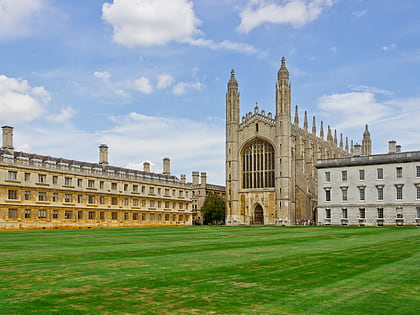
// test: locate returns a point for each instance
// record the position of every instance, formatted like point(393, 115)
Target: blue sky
point(148, 77)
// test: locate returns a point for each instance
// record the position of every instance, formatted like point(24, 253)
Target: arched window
point(258, 165)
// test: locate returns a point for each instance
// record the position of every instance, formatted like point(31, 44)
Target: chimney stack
point(203, 179)
point(103, 154)
point(195, 176)
point(183, 178)
point(398, 148)
point(146, 167)
point(392, 145)
point(357, 149)
point(8, 138)
point(166, 166)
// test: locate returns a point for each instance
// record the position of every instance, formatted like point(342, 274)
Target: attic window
point(256, 127)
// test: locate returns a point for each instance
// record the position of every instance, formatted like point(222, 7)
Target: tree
point(213, 209)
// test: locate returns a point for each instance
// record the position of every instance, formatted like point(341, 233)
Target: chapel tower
point(270, 161)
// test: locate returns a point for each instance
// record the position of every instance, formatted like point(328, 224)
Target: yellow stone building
point(43, 192)
point(270, 161)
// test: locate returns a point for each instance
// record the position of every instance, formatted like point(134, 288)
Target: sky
point(148, 77)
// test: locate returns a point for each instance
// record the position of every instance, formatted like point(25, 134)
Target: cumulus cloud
point(150, 22)
point(294, 12)
point(159, 22)
point(16, 17)
point(21, 102)
point(181, 87)
point(65, 114)
point(143, 85)
point(164, 81)
point(388, 119)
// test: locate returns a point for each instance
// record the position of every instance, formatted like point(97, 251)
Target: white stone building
point(371, 190)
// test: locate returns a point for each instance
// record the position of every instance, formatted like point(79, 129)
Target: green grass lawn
point(220, 270)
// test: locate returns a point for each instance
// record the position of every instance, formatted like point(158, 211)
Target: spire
point(329, 135)
point(366, 142)
point(232, 100)
point(347, 144)
point(283, 72)
point(296, 123)
point(335, 137)
point(305, 122)
point(283, 94)
point(313, 126)
point(321, 132)
point(341, 141)
point(232, 84)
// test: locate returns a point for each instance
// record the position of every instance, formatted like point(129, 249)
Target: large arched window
point(258, 165)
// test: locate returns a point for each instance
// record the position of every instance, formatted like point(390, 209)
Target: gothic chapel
point(270, 161)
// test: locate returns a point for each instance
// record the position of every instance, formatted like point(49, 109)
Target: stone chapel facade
point(270, 162)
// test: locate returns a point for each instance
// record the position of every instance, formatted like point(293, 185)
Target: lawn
point(220, 270)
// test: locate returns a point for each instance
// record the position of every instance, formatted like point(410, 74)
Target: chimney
point(203, 179)
point(392, 145)
point(195, 176)
point(183, 178)
point(103, 154)
point(146, 167)
point(8, 138)
point(166, 166)
point(398, 148)
point(357, 149)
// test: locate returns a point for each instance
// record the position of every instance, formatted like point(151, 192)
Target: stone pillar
point(166, 166)
point(146, 167)
point(8, 138)
point(103, 154)
point(195, 177)
point(357, 149)
point(392, 145)
point(203, 179)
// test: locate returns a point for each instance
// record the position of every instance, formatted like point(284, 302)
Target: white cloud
point(105, 76)
point(143, 85)
point(389, 47)
point(390, 119)
point(226, 45)
point(370, 89)
point(16, 17)
point(181, 87)
point(150, 22)
point(164, 81)
point(66, 114)
point(191, 145)
point(354, 107)
point(19, 101)
point(158, 22)
point(294, 12)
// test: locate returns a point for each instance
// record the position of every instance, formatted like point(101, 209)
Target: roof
point(73, 163)
point(389, 158)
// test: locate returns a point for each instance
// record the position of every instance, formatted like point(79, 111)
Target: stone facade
point(200, 190)
point(43, 192)
point(374, 190)
point(270, 161)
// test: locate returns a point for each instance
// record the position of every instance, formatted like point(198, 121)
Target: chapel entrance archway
point(258, 215)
